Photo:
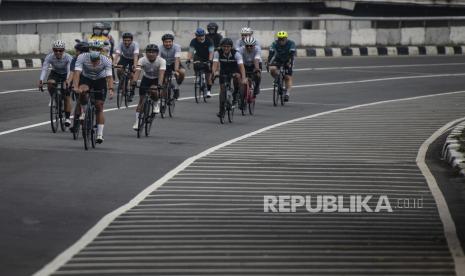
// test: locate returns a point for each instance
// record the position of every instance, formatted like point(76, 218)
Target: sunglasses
point(58, 50)
point(249, 46)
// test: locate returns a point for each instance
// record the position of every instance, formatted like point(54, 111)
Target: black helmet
point(212, 26)
point(82, 47)
point(167, 37)
point(127, 35)
point(226, 41)
point(106, 26)
point(152, 48)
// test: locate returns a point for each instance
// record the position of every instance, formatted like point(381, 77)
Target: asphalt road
point(52, 191)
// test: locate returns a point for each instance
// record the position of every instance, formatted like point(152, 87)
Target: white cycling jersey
point(101, 70)
point(60, 66)
point(151, 69)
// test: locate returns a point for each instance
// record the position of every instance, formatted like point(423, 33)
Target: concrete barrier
point(431, 50)
point(392, 51)
point(388, 36)
point(7, 64)
point(413, 51)
point(412, 36)
point(363, 37)
point(336, 52)
point(8, 44)
point(372, 51)
point(437, 36)
point(457, 35)
point(155, 36)
point(265, 38)
point(45, 43)
point(301, 52)
point(337, 33)
point(315, 38)
point(27, 44)
point(450, 51)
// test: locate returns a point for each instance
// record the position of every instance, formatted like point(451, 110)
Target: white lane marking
point(266, 89)
point(92, 233)
point(19, 90)
point(379, 66)
point(450, 231)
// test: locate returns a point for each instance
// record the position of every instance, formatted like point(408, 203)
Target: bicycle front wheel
point(93, 126)
point(197, 89)
point(54, 110)
point(61, 112)
point(87, 129)
point(171, 102)
point(149, 115)
point(119, 95)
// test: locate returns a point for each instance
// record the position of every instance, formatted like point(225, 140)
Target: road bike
point(122, 94)
point(147, 116)
point(57, 106)
point(226, 100)
point(167, 100)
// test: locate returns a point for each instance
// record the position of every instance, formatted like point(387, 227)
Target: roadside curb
point(6, 64)
point(450, 150)
point(386, 51)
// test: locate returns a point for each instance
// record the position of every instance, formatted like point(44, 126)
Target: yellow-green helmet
point(281, 34)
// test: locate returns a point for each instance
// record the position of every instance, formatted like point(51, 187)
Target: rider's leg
point(257, 80)
point(273, 71)
point(83, 99)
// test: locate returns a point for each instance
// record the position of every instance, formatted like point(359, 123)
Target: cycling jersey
point(250, 57)
point(101, 70)
point(128, 52)
point(215, 39)
point(151, 69)
point(228, 63)
point(201, 50)
point(170, 54)
point(60, 66)
point(282, 54)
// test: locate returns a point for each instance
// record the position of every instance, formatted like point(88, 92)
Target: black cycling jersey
point(202, 50)
point(228, 63)
point(215, 38)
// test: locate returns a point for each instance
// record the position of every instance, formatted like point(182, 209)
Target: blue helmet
point(200, 32)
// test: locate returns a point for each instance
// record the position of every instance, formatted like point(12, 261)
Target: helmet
point(127, 35)
point(82, 47)
point(152, 48)
point(246, 31)
point(200, 32)
point(167, 37)
point(212, 26)
point(250, 41)
point(106, 26)
point(58, 44)
point(282, 34)
point(96, 44)
point(94, 55)
point(98, 25)
point(226, 41)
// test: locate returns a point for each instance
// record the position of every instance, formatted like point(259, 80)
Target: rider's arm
point(136, 53)
point(161, 73)
point(136, 75)
point(45, 66)
point(292, 53)
point(77, 71)
point(108, 73)
point(240, 63)
point(215, 66)
point(177, 57)
point(191, 50)
point(211, 50)
point(272, 52)
point(117, 55)
point(258, 57)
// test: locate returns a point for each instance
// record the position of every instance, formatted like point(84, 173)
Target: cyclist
point(213, 35)
point(93, 71)
point(97, 34)
point(127, 53)
point(80, 47)
point(106, 32)
point(228, 61)
point(282, 53)
point(154, 68)
point(60, 62)
point(171, 52)
point(251, 54)
point(202, 50)
point(245, 32)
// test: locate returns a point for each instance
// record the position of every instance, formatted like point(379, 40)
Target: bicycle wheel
point(61, 111)
point(76, 127)
point(275, 94)
point(126, 91)
point(230, 109)
point(87, 129)
point(149, 115)
point(204, 88)
point(119, 95)
point(163, 104)
point(197, 89)
point(251, 99)
point(54, 112)
point(243, 96)
point(171, 101)
point(93, 126)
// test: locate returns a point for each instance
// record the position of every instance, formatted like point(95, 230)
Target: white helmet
point(58, 44)
point(250, 40)
point(246, 31)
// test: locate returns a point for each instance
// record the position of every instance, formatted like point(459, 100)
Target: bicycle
point(76, 121)
point(248, 97)
point(200, 89)
point(167, 100)
point(89, 123)
point(278, 89)
point(57, 111)
point(226, 100)
point(123, 88)
point(147, 115)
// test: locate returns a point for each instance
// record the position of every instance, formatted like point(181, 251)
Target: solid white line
point(450, 230)
point(92, 233)
point(378, 66)
point(19, 90)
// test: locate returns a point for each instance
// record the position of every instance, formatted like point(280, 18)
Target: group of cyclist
point(91, 69)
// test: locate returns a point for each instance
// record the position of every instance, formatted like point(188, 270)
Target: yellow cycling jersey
point(104, 39)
